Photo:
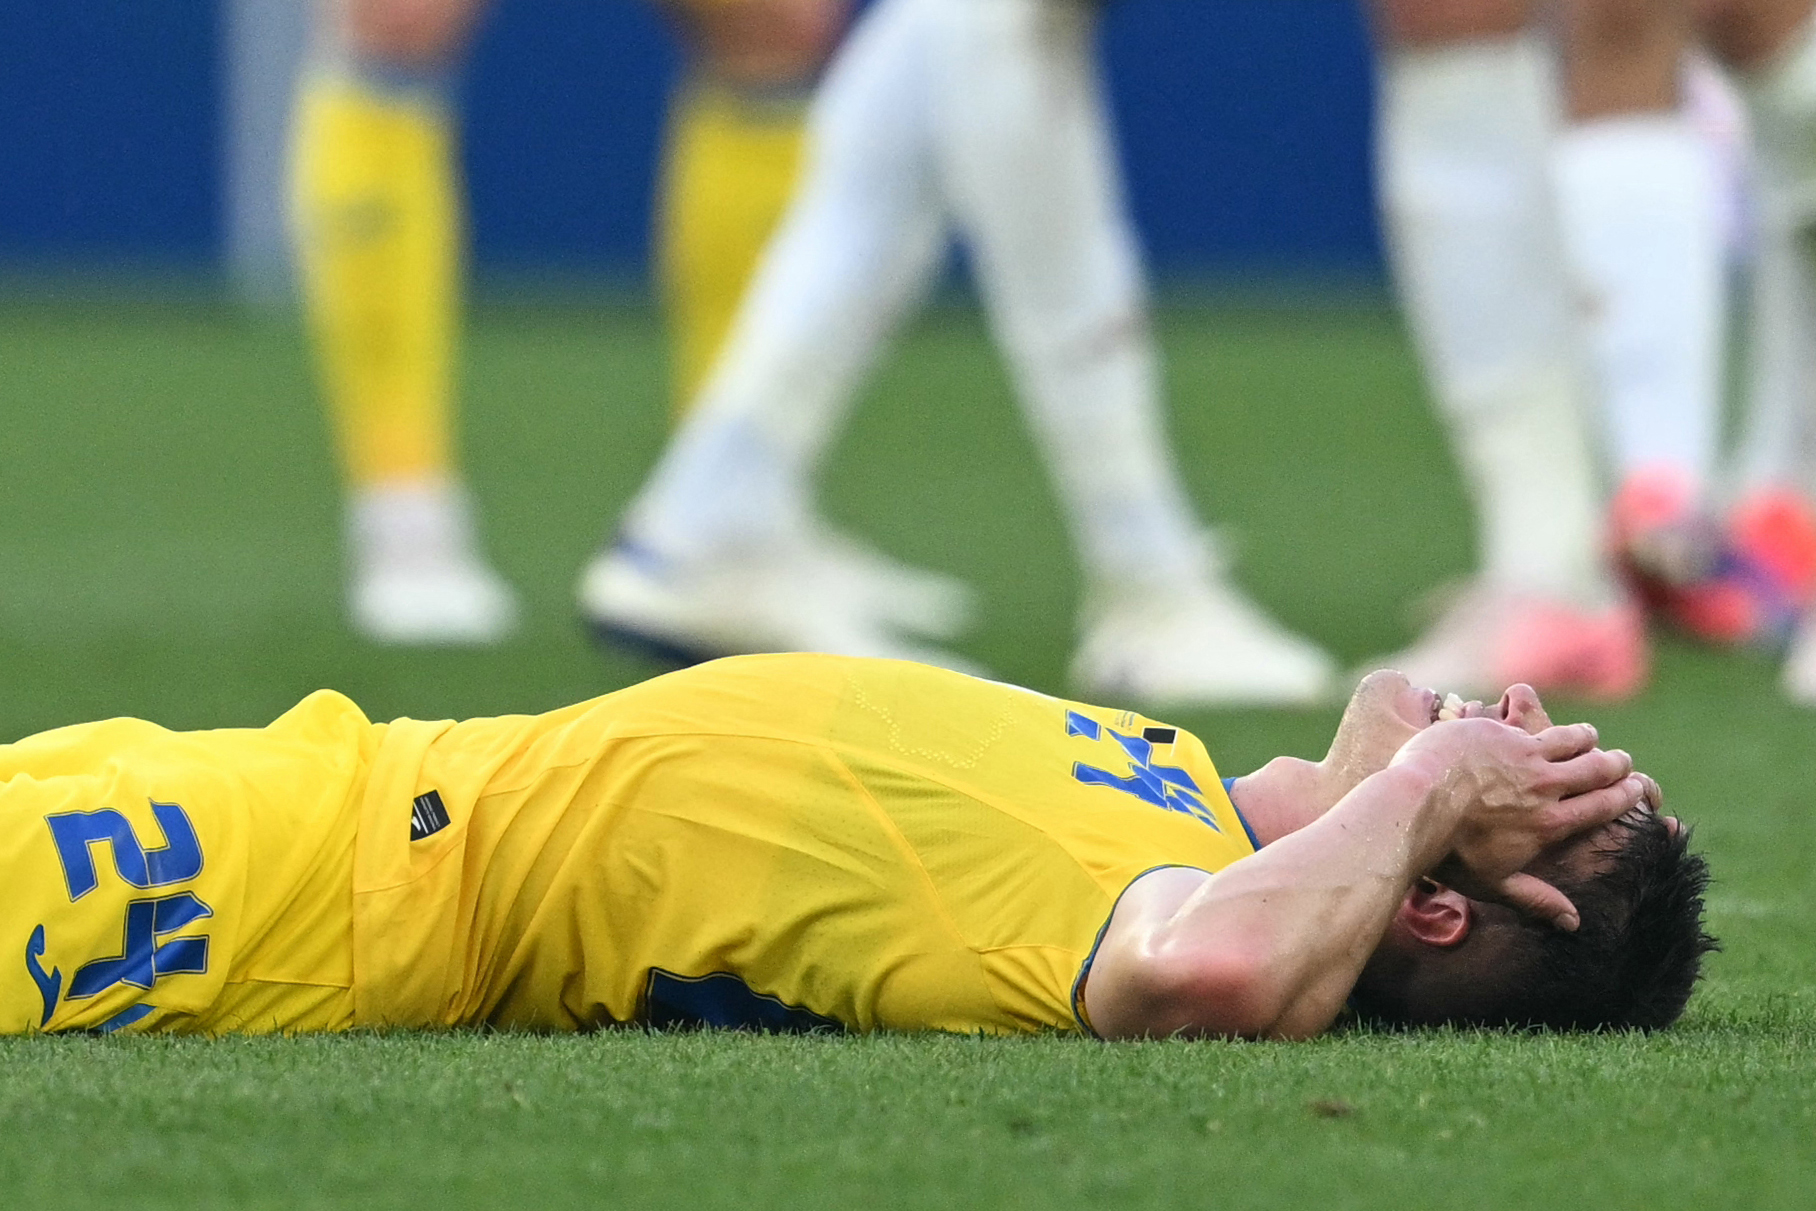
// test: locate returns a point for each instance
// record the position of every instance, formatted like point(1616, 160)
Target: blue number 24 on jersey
point(148, 950)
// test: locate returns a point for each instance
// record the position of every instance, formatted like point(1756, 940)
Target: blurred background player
point(380, 241)
point(736, 145)
point(983, 118)
point(1556, 225)
point(736, 138)
point(380, 248)
point(1771, 44)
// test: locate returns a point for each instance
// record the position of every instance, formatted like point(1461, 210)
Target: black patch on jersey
point(428, 816)
point(1160, 735)
point(723, 1001)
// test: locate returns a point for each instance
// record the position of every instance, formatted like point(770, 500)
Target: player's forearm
point(1272, 945)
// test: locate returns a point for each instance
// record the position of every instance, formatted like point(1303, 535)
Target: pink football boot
point(1773, 533)
point(1745, 583)
point(1488, 639)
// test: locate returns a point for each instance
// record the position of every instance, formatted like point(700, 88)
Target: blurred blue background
point(1245, 126)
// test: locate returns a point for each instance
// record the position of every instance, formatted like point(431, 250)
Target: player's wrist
point(1419, 765)
point(1421, 785)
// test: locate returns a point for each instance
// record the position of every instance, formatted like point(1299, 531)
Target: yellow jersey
point(773, 842)
point(182, 880)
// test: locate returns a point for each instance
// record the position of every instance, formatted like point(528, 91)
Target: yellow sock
point(378, 228)
point(728, 175)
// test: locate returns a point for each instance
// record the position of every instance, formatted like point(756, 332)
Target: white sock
point(411, 525)
point(1716, 109)
point(1642, 217)
point(1778, 442)
point(1032, 178)
point(1778, 431)
point(857, 250)
point(1467, 198)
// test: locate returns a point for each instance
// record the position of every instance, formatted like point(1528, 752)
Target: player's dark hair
point(1631, 965)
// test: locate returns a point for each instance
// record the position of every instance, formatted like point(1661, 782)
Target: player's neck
point(1283, 797)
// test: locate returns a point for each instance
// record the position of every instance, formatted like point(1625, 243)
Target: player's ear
point(1434, 914)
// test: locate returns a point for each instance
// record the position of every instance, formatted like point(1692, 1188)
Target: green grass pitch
point(169, 550)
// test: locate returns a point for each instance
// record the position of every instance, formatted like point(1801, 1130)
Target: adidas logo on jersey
point(428, 816)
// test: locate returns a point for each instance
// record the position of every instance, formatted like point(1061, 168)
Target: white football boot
point(775, 600)
point(416, 575)
point(921, 601)
point(1205, 645)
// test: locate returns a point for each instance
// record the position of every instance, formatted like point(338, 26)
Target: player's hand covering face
point(1525, 791)
point(1514, 795)
point(1387, 710)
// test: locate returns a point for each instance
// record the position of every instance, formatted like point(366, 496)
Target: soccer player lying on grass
point(801, 842)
